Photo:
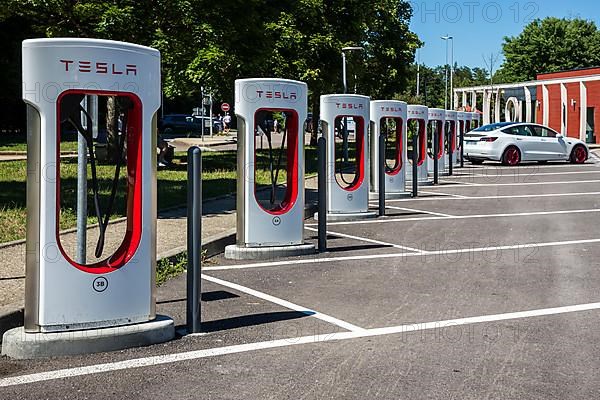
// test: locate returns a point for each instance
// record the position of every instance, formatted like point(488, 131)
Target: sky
point(479, 26)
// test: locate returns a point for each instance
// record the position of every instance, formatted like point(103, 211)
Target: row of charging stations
point(270, 223)
point(66, 291)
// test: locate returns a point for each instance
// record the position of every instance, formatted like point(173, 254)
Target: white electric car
point(514, 142)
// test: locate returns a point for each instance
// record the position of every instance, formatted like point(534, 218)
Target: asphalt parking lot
point(485, 286)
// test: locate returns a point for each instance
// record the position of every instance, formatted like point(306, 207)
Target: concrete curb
point(12, 316)
point(22, 346)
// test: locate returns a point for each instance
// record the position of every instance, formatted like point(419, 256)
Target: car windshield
point(493, 127)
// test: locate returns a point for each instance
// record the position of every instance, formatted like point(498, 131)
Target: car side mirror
point(559, 136)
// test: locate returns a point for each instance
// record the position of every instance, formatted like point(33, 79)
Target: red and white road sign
point(225, 107)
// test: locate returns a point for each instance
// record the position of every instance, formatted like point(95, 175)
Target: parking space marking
point(504, 173)
point(444, 252)
point(284, 303)
point(474, 216)
point(460, 196)
point(362, 239)
point(280, 343)
point(471, 184)
point(528, 166)
point(420, 211)
point(514, 196)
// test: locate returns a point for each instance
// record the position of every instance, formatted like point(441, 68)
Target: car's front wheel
point(578, 155)
point(511, 156)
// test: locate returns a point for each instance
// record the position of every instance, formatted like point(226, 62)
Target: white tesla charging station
point(347, 181)
point(388, 117)
point(463, 126)
point(452, 127)
point(270, 221)
point(435, 128)
point(108, 289)
point(418, 115)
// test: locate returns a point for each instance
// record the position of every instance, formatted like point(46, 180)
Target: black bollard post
point(322, 189)
point(449, 142)
point(435, 156)
point(415, 167)
point(381, 175)
point(194, 239)
point(462, 148)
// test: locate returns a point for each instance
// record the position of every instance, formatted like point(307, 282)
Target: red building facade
point(564, 98)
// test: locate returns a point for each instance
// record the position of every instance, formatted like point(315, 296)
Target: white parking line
point(362, 239)
point(421, 253)
point(471, 184)
point(460, 196)
point(419, 211)
point(284, 303)
point(514, 196)
point(532, 166)
point(296, 341)
point(520, 174)
point(505, 215)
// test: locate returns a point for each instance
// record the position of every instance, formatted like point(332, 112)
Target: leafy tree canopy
point(550, 45)
point(212, 43)
point(432, 83)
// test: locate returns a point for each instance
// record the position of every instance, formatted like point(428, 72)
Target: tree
point(550, 45)
point(308, 35)
point(211, 43)
point(432, 83)
point(13, 29)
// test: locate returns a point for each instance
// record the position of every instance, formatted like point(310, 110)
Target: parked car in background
point(511, 143)
point(179, 124)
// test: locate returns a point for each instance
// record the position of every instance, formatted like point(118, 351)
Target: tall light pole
point(344, 50)
point(345, 83)
point(452, 74)
point(447, 38)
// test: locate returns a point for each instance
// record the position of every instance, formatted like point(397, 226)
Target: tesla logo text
point(391, 109)
point(350, 106)
point(276, 94)
point(99, 67)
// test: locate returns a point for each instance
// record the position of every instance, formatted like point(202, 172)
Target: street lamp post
point(452, 74)
point(345, 84)
point(447, 38)
point(344, 50)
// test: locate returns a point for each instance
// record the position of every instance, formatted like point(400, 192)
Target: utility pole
point(418, 73)
point(490, 65)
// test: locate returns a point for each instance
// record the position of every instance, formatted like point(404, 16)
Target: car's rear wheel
point(511, 156)
point(578, 155)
